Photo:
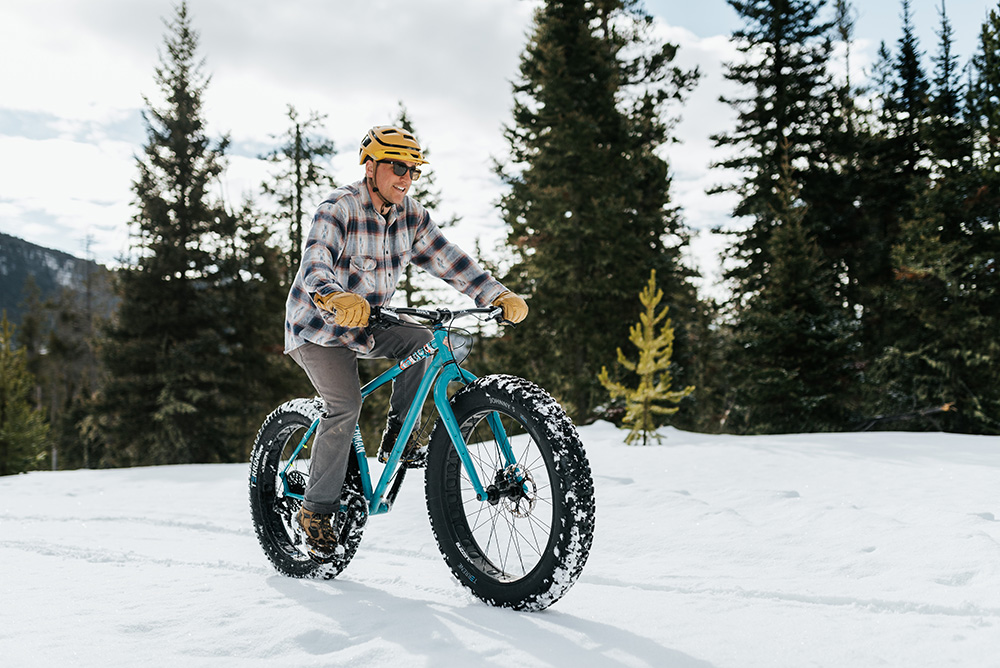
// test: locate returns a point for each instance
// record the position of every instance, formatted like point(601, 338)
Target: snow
point(875, 549)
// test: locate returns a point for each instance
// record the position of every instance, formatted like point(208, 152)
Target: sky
point(859, 550)
point(74, 77)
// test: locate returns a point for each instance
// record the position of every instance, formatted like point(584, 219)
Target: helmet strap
point(386, 204)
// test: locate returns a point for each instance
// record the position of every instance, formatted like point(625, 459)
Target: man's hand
point(348, 309)
point(514, 308)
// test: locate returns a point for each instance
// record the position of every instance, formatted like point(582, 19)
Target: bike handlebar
point(382, 316)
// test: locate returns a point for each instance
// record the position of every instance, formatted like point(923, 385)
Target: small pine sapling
point(643, 403)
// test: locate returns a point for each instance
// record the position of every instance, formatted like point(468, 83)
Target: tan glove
point(514, 308)
point(348, 309)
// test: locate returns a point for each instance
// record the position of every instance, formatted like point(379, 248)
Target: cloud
point(59, 191)
point(56, 61)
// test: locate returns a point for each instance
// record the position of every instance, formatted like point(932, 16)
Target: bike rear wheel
point(274, 510)
point(526, 545)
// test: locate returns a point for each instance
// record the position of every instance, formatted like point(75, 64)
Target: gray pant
point(333, 371)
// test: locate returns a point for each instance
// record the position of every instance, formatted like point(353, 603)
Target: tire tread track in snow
point(174, 524)
point(98, 556)
point(872, 605)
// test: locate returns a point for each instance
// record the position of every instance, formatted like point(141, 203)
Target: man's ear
point(370, 169)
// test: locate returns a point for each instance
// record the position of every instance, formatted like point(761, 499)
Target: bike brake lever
point(498, 316)
point(380, 318)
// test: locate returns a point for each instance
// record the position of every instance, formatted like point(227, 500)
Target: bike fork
point(458, 441)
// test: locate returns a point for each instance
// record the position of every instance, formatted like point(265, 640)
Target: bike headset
point(388, 142)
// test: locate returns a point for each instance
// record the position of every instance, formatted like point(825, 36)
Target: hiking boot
point(316, 530)
point(414, 455)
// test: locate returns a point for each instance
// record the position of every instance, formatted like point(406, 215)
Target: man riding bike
point(362, 237)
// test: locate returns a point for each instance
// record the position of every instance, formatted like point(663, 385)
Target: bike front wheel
point(279, 469)
point(524, 545)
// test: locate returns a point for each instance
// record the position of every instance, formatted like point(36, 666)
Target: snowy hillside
point(879, 549)
point(51, 271)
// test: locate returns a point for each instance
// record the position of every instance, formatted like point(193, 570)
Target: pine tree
point(644, 403)
point(946, 133)
point(703, 360)
point(250, 299)
point(979, 238)
point(34, 323)
point(588, 210)
point(24, 431)
point(896, 173)
point(66, 375)
point(57, 337)
point(797, 144)
point(301, 179)
point(780, 116)
point(984, 93)
point(175, 358)
point(835, 179)
point(791, 365)
point(906, 105)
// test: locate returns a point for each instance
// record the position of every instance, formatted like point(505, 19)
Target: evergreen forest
point(863, 285)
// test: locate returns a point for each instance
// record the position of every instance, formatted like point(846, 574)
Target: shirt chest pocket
point(361, 274)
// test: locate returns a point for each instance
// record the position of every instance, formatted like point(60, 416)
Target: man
point(361, 238)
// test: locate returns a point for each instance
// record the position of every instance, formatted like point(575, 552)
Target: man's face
point(391, 185)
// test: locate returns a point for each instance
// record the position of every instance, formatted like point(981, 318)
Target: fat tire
point(272, 511)
point(558, 554)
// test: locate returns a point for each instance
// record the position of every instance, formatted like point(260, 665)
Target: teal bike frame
point(443, 370)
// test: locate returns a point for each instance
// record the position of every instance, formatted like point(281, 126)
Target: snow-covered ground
point(878, 549)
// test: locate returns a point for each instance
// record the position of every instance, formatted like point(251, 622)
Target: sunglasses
point(399, 169)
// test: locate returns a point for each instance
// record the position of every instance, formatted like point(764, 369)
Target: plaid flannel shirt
point(351, 248)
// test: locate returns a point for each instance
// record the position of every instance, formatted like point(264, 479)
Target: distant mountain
point(53, 271)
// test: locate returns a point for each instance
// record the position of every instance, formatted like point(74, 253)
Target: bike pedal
point(416, 459)
point(410, 460)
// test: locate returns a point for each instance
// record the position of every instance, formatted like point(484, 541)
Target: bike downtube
point(379, 503)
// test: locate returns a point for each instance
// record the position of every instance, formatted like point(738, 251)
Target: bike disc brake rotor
point(520, 501)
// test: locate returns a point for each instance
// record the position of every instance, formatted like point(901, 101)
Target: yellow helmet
point(386, 142)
